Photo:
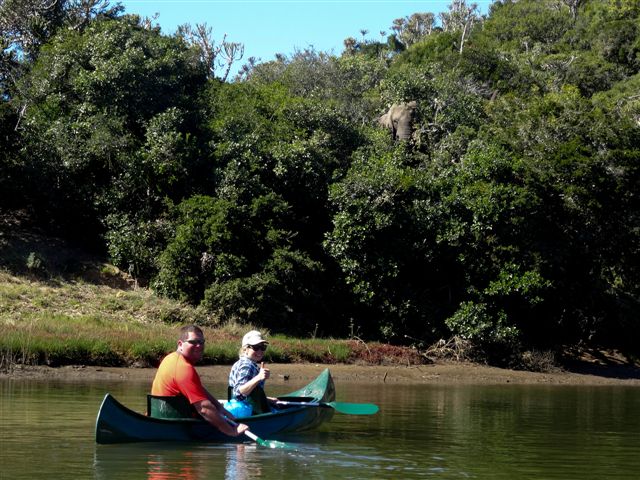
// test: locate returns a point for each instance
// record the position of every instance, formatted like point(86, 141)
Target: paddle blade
point(354, 408)
point(275, 444)
point(267, 443)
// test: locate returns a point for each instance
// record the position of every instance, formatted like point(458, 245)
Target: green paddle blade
point(267, 443)
point(274, 444)
point(353, 408)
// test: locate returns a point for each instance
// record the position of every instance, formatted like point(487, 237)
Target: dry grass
point(22, 297)
point(61, 322)
point(455, 348)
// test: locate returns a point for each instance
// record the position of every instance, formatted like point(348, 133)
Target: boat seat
point(170, 407)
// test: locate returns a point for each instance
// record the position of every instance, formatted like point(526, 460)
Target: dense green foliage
point(511, 219)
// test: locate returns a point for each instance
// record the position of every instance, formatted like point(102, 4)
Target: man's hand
point(215, 416)
point(241, 428)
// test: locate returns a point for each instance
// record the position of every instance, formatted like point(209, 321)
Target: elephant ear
point(385, 121)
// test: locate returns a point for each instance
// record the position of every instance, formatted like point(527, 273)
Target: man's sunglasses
point(195, 342)
point(262, 348)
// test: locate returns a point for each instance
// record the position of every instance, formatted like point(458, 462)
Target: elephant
point(399, 119)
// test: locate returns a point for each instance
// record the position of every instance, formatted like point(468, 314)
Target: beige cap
point(253, 337)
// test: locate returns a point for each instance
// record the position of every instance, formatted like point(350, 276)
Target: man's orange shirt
point(176, 376)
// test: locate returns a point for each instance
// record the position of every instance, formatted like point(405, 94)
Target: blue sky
point(267, 27)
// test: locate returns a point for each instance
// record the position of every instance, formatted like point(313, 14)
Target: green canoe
point(118, 424)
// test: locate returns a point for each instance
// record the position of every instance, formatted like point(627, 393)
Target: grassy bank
point(60, 306)
point(99, 318)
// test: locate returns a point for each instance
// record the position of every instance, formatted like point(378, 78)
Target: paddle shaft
point(253, 437)
point(249, 434)
point(260, 441)
point(342, 407)
point(304, 404)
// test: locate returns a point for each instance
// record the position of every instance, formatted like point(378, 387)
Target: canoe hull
point(118, 424)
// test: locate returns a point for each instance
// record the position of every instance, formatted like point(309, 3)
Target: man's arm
point(214, 415)
point(219, 407)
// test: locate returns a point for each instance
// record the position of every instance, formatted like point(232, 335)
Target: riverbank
point(99, 316)
point(587, 373)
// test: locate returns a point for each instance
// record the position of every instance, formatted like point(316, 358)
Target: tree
point(250, 249)
point(350, 44)
point(412, 29)
point(460, 18)
point(574, 5)
point(89, 100)
point(532, 26)
point(610, 34)
point(489, 219)
point(384, 240)
point(577, 161)
point(27, 24)
point(343, 82)
point(213, 56)
point(79, 13)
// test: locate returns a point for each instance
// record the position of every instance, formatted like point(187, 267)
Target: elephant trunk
point(403, 130)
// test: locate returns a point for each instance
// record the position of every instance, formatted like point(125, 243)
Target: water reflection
point(498, 432)
point(178, 461)
point(151, 462)
point(159, 461)
point(239, 464)
point(162, 468)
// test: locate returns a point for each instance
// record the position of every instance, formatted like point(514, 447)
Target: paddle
point(267, 443)
point(342, 407)
point(260, 441)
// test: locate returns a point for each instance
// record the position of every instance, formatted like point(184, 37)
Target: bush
point(488, 331)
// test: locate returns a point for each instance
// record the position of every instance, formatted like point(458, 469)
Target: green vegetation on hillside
point(508, 220)
point(93, 319)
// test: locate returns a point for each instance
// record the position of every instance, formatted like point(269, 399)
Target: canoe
point(118, 424)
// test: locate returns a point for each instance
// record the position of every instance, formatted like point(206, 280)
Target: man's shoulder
point(176, 363)
point(184, 363)
point(169, 358)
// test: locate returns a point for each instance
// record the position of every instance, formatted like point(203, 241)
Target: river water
point(426, 431)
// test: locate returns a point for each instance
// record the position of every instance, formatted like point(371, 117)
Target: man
point(177, 375)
